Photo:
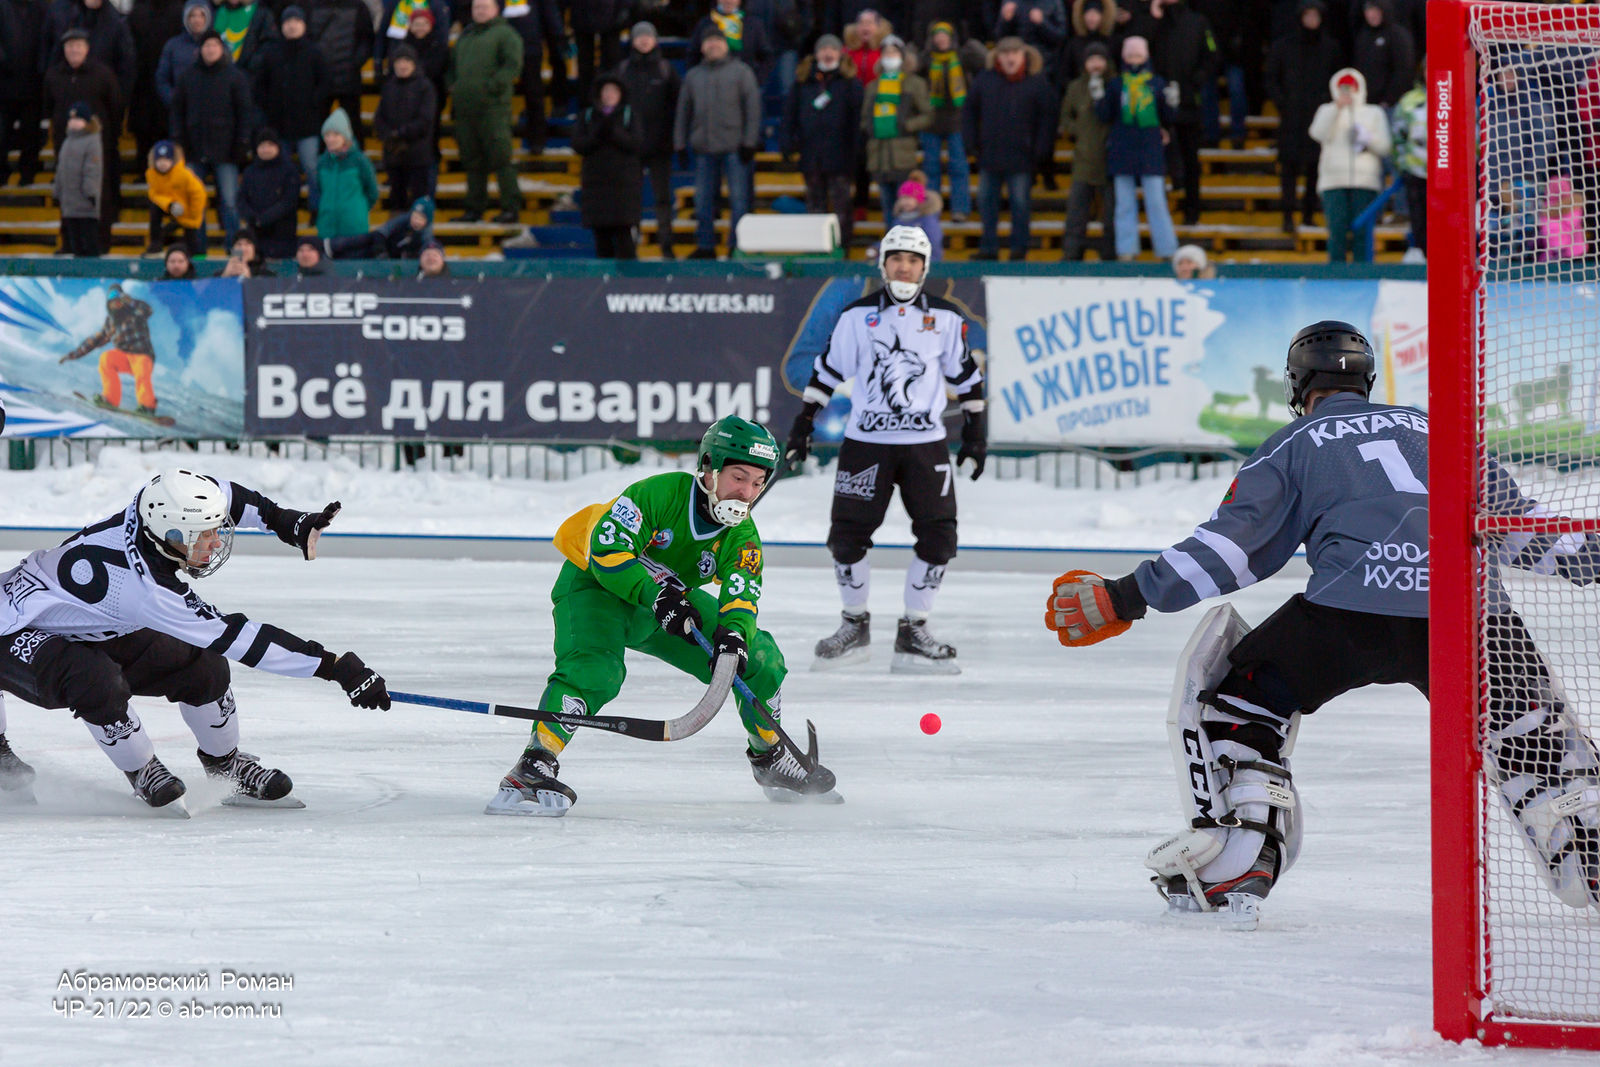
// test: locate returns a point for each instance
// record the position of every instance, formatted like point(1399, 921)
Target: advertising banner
point(1142, 361)
point(580, 359)
point(99, 358)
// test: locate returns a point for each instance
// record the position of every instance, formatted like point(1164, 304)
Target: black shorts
point(868, 472)
point(96, 678)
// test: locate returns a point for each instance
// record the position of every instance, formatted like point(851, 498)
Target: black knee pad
point(203, 681)
point(849, 545)
point(935, 541)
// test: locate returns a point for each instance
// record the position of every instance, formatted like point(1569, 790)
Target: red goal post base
point(1463, 956)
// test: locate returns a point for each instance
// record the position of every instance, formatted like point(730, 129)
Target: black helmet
point(1328, 355)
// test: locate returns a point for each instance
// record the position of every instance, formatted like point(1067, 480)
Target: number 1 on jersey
point(1387, 455)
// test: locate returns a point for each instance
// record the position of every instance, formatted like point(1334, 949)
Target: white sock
point(214, 725)
point(922, 585)
point(854, 580)
point(124, 743)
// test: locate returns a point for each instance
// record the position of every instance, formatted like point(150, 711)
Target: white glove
point(1097, 87)
point(1171, 93)
point(176, 209)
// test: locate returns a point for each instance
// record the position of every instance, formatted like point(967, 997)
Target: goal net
point(1513, 97)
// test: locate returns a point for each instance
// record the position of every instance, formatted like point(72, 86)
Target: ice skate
point(255, 786)
point(159, 787)
point(784, 778)
point(917, 651)
point(531, 788)
point(1234, 904)
point(850, 643)
point(16, 777)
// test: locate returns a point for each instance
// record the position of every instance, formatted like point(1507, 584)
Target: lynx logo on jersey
point(895, 372)
point(27, 643)
point(863, 484)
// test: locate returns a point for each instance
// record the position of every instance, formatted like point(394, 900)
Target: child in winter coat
point(77, 182)
point(269, 196)
point(177, 201)
point(917, 205)
point(1355, 139)
point(405, 124)
point(348, 184)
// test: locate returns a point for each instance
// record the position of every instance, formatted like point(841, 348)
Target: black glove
point(363, 685)
point(674, 613)
point(298, 528)
point(974, 441)
point(747, 153)
point(799, 446)
point(726, 640)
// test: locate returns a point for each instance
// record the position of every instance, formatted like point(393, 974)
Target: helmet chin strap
point(904, 292)
point(726, 512)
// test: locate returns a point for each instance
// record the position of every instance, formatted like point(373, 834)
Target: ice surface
point(979, 898)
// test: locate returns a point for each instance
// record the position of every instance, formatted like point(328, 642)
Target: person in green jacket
point(635, 565)
point(345, 177)
point(484, 66)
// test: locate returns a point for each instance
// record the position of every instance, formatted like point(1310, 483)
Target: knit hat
point(1097, 48)
point(295, 11)
point(643, 29)
point(81, 110)
point(434, 243)
point(941, 27)
point(828, 40)
point(914, 189)
point(164, 150)
point(423, 204)
point(404, 51)
point(265, 134)
point(311, 242)
point(1194, 253)
point(211, 35)
point(77, 33)
point(1094, 5)
point(713, 33)
point(339, 122)
point(423, 11)
point(244, 233)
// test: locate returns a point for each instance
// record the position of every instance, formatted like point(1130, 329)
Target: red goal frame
point(1461, 952)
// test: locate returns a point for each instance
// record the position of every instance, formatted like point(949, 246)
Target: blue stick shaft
point(440, 702)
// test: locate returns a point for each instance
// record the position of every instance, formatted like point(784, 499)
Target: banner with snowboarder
point(92, 357)
point(1151, 361)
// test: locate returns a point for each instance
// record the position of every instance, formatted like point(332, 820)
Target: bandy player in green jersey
point(632, 580)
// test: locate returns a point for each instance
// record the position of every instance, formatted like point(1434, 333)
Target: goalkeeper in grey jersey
point(106, 616)
point(1348, 480)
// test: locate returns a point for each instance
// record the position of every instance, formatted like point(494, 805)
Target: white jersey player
point(106, 615)
point(902, 347)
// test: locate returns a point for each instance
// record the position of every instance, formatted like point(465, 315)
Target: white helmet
point(186, 516)
point(904, 239)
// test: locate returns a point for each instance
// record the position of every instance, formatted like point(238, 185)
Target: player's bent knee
point(849, 547)
point(594, 677)
point(202, 681)
point(935, 541)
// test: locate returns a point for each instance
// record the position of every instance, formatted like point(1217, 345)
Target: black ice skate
point(785, 778)
point(531, 788)
point(1235, 904)
point(158, 787)
point(16, 777)
point(916, 651)
point(255, 786)
point(850, 643)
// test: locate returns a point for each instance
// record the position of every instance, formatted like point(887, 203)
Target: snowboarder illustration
point(127, 331)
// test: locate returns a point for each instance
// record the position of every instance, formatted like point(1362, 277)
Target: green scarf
point(234, 23)
point(947, 82)
point(1139, 102)
point(886, 107)
point(732, 27)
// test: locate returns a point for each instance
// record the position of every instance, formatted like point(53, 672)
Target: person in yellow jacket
point(177, 200)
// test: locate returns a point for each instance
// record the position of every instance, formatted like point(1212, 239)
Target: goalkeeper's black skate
point(917, 651)
point(850, 643)
point(255, 786)
point(15, 775)
point(531, 788)
point(1235, 904)
point(788, 778)
point(158, 787)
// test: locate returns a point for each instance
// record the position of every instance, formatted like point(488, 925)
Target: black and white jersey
point(107, 580)
point(901, 356)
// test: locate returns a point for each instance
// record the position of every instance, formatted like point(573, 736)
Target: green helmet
point(736, 440)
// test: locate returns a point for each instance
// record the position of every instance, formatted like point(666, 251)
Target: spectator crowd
point(246, 111)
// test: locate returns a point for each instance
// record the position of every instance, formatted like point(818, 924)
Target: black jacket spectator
point(404, 120)
point(652, 86)
point(1046, 36)
point(269, 199)
point(1385, 55)
point(433, 56)
point(825, 137)
point(1182, 50)
point(1011, 125)
point(611, 145)
point(291, 87)
point(211, 112)
point(94, 82)
point(152, 23)
point(1104, 31)
point(109, 39)
point(343, 31)
point(21, 24)
point(1299, 66)
point(835, 15)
